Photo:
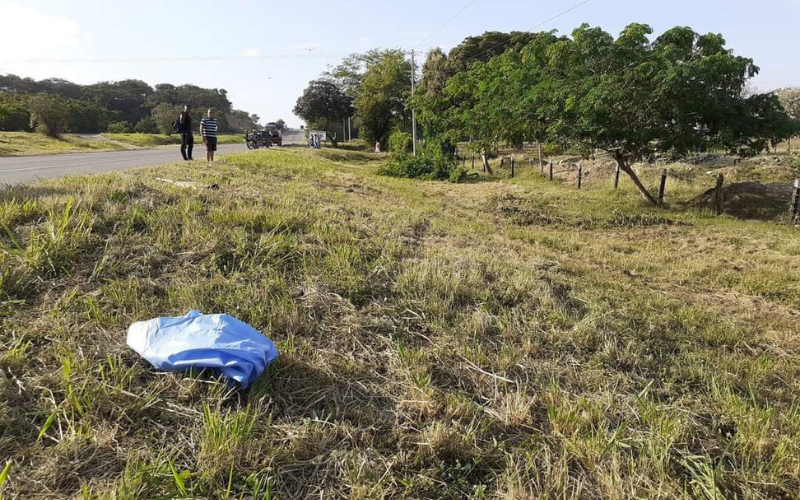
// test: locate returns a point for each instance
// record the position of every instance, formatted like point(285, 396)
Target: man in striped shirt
point(208, 131)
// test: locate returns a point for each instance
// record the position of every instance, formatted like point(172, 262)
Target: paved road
point(27, 169)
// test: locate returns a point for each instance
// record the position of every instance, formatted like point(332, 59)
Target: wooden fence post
point(662, 187)
point(795, 203)
point(473, 160)
point(464, 158)
point(539, 147)
point(580, 175)
point(718, 194)
point(616, 178)
point(551, 170)
point(502, 162)
point(513, 165)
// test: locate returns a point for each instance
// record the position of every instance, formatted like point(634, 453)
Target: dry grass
point(154, 140)
point(26, 144)
point(508, 339)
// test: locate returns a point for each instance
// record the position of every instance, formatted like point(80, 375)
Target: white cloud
point(363, 40)
point(30, 34)
point(252, 52)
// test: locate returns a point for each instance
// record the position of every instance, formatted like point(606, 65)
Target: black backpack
point(176, 125)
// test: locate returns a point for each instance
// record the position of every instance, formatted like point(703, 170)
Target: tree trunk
point(486, 165)
point(623, 165)
point(540, 155)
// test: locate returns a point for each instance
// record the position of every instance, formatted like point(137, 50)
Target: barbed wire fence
point(560, 170)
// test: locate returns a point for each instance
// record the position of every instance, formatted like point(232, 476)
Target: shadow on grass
point(300, 391)
point(477, 178)
point(750, 200)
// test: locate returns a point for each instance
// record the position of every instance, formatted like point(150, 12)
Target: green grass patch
point(154, 140)
point(509, 338)
point(26, 144)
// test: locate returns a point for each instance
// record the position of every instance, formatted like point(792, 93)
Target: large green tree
point(431, 101)
point(634, 97)
point(13, 117)
point(790, 100)
point(382, 96)
point(48, 114)
point(349, 74)
point(85, 117)
point(485, 47)
point(126, 97)
point(502, 100)
point(323, 104)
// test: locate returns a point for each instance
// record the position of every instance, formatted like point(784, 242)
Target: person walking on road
point(209, 127)
point(185, 128)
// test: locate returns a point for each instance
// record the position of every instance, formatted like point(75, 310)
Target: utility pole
point(413, 110)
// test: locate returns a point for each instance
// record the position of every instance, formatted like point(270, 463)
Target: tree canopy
point(92, 107)
point(630, 96)
point(382, 96)
point(323, 103)
point(484, 47)
point(633, 95)
point(373, 87)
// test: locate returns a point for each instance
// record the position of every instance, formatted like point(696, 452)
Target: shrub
point(146, 125)
point(85, 117)
point(406, 165)
point(119, 128)
point(432, 162)
point(165, 114)
point(14, 118)
point(48, 114)
point(458, 175)
point(401, 142)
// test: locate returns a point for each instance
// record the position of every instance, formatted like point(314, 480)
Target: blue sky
point(283, 45)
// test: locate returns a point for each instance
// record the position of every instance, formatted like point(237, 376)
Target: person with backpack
point(184, 127)
point(208, 131)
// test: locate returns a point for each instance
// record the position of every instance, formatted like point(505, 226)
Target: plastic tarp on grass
point(216, 341)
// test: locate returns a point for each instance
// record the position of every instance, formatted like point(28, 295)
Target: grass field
point(153, 140)
point(25, 143)
point(500, 339)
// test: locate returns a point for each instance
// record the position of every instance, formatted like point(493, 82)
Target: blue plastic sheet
point(217, 341)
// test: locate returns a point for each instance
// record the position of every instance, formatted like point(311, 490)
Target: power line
point(563, 12)
point(121, 60)
point(446, 23)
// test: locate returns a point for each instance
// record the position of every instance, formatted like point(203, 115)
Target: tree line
point(373, 88)
point(633, 96)
point(55, 106)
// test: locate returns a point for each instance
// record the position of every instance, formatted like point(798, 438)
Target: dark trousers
point(187, 145)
